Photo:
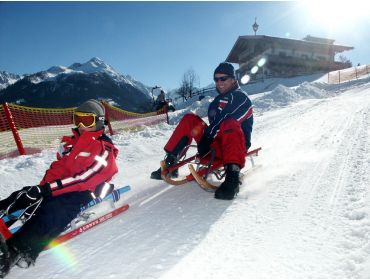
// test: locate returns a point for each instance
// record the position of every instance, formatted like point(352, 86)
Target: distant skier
point(229, 131)
point(85, 162)
point(161, 102)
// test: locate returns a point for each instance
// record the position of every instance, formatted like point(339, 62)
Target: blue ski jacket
point(232, 104)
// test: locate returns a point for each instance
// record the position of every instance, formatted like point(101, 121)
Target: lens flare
point(245, 79)
point(261, 62)
point(62, 253)
point(254, 69)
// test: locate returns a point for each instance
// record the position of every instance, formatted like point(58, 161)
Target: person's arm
point(102, 169)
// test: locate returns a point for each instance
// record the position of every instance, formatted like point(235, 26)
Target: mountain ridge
point(61, 86)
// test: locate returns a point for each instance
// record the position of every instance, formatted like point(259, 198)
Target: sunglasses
point(222, 79)
point(86, 120)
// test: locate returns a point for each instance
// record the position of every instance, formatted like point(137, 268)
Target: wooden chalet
point(285, 57)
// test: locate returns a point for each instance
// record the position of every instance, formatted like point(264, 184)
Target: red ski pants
point(229, 143)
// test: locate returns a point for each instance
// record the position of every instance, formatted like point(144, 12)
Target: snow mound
point(308, 90)
point(199, 108)
point(282, 96)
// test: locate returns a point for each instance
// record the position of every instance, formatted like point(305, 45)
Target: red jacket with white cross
point(83, 162)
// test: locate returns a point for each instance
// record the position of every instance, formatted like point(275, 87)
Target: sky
point(157, 42)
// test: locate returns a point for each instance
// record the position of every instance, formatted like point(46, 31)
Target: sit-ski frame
point(204, 166)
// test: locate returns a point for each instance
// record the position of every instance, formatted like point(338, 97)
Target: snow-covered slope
point(303, 214)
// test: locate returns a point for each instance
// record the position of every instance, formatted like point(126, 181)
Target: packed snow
point(304, 213)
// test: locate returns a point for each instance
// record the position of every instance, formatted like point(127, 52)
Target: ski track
point(303, 214)
point(311, 221)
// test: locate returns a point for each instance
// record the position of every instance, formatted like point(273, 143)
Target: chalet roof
point(244, 43)
point(310, 38)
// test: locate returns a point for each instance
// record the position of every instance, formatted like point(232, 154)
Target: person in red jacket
point(85, 162)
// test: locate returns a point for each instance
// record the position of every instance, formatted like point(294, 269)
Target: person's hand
point(29, 195)
point(36, 192)
point(204, 145)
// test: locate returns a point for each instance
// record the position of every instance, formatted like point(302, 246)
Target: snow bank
point(282, 96)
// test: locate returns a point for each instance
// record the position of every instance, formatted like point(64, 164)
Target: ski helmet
point(95, 107)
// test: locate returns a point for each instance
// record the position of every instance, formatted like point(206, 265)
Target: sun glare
point(332, 14)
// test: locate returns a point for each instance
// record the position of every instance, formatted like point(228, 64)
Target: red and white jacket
point(83, 162)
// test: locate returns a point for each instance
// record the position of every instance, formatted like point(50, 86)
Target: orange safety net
point(38, 128)
point(123, 120)
point(340, 76)
point(7, 144)
point(41, 128)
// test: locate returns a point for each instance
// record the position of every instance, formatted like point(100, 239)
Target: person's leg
point(190, 127)
point(48, 222)
point(232, 144)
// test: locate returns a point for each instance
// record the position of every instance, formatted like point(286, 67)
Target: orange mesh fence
point(122, 120)
point(41, 128)
point(37, 128)
point(3, 121)
point(7, 143)
point(337, 77)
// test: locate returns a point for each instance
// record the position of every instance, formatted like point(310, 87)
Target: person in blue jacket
point(229, 131)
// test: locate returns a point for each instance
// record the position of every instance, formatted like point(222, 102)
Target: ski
point(89, 225)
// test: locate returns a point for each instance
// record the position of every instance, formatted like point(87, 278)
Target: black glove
point(204, 145)
point(29, 195)
point(36, 192)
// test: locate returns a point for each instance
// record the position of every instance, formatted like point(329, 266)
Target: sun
point(332, 15)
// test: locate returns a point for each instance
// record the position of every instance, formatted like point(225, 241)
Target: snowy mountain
point(7, 79)
point(61, 86)
point(303, 214)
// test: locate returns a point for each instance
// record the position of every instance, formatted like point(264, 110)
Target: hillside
point(303, 214)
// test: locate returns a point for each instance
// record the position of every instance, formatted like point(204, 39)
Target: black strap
point(59, 183)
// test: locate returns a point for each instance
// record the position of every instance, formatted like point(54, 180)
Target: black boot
point(170, 159)
point(4, 259)
point(8, 258)
point(25, 260)
point(230, 187)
